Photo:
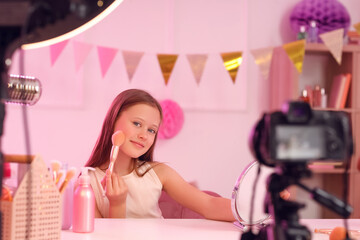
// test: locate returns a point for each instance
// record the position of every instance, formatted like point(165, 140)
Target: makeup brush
point(55, 167)
point(69, 175)
point(117, 139)
point(338, 232)
point(59, 175)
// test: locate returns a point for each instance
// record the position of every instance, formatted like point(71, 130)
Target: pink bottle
point(84, 204)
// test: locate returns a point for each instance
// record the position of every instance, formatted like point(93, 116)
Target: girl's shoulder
point(162, 170)
point(159, 166)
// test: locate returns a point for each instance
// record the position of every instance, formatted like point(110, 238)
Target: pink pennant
point(56, 50)
point(197, 64)
point(106, 56)
point(131, 60)
point(81, 51)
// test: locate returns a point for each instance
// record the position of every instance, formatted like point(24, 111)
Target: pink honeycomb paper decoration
point(173, 119)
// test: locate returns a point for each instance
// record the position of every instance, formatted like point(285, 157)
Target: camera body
point(288, 140)
point(299, 134)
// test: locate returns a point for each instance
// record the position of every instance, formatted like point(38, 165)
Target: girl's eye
point(137, 124)
point(152, 131)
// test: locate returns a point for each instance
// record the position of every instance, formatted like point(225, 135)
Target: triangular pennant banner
point(56, 50)
point(232, 61)
point(357, 27)
point(197, 64)
point(167, 63)
point(263, 58)
point(334, 41)
point(81, 51)
point(131, 60)
point(106, 56)
point(296, 52)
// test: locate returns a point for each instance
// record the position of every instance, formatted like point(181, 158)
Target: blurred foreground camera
point(299, 134)
point(288, 140)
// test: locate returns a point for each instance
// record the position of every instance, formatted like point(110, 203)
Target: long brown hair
point(123, 101)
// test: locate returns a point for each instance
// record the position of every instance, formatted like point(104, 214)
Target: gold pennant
point(357, 27)
point(167, 63)
point(334, 41)
point(296, 52)
point(263, 58)
point(232, 61)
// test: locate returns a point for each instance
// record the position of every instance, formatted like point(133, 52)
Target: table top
point(159, 229)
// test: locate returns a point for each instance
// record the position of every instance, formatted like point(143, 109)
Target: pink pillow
point(172, 209)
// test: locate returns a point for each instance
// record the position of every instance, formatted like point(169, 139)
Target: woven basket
point(35, 211)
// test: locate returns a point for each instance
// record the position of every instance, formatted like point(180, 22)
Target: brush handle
point(58, 177)
point(63, 185)
point(323, 230)
point(111, 166)
point(353, 233)
point(113, 156)
point(55, 175)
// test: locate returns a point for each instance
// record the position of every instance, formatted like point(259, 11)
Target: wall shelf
point(319, 47)
point(319, 68)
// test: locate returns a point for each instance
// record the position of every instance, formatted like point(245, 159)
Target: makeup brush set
point(61, 174)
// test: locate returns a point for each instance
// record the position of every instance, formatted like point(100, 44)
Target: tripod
point(286, 224)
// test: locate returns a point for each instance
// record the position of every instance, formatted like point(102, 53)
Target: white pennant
point(263, 58)
point(334, 41)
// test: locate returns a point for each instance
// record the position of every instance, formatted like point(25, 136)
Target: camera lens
point(333, 146)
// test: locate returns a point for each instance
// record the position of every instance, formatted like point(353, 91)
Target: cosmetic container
point(84, 204)
point(67, 203)
point(323, 98)
point(67, 206)
point(304, 96)
point(313, 32)
point(317, 96)
point(302, 33)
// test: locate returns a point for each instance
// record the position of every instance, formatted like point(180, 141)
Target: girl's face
point(140, 124)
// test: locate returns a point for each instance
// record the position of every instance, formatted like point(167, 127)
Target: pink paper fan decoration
point(173, 119)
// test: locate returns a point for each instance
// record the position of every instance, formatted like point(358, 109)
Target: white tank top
point(143, 193)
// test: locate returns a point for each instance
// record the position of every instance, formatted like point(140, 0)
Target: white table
point(184, 229)
point(146, 229)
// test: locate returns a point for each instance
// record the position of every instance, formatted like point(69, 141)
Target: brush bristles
point(118, 138)
point(69, 175)
point(55, 165)
point(55, 168)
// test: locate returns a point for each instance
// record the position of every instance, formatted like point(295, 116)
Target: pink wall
point(212, 147)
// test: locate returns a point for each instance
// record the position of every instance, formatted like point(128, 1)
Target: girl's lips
point(138, 144)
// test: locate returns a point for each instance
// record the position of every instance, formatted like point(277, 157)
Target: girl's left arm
point(215, 208)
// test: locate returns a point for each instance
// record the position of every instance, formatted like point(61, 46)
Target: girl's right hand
point(115, 188)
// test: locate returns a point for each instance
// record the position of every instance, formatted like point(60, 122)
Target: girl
point(134, 187)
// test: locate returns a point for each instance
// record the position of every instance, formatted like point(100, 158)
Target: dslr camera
point(299, 134)
point(288, 140)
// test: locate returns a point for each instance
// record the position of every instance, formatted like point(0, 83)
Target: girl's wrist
point(117, 201)
point(117, 210)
